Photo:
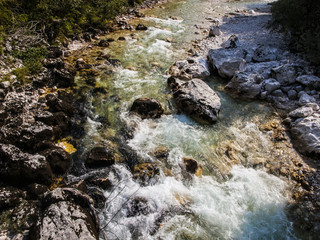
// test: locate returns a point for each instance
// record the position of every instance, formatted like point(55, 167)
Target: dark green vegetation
point(57, 18)
point(302, 19)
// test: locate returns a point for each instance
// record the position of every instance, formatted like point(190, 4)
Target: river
point(233, 198)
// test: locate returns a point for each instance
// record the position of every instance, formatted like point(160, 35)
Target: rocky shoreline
point(255, 63)
point(40, 200)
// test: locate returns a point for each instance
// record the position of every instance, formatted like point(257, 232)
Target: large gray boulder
point(68, 214)
point(18, 167)
point(191, 68)
point(245, 85)
point(309, 81)
point(197, 99)
point(306, 132)
point(227, 61)
point(265, 53)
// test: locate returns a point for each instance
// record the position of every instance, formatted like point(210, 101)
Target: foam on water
point(248, 206)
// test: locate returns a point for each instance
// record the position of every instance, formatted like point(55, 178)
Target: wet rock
point(227, 62)
point(59, 159)
point(18, 167)
point(192, 166)
point(138, 206)
point(232, 42)
point(79, 185)
point(161, 153)
point(306, 134)
point(100, 157)
point(146, 171)
point(198, 100)
point(147, 108)
point(191, 68)
point(284, 74)
point(68, 214)
point(103, 43)
point(10, 197)
point(81, 64)
point(141, 27)
point(121, 38)
point(214, 31)
point(63, 78)
point(265, 53)
point(98, 198)
point(245, 85)
point(309, 81)
point(103, 183)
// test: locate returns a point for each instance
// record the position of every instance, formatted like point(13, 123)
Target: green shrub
point(32, 58)
point(301, 19)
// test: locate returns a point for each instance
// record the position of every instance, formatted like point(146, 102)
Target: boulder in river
point(147, 108)
point(100, 157)
point(192, 166)
point(227, 61)
point(141, 27)
point(191, 68)
point(197, 99)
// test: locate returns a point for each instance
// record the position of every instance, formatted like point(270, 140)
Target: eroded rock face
point(226, 61)
point(198, 100)
point(18, 167)
point(147, 108)
point(68, 215)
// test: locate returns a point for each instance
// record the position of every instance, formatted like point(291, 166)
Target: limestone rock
point(245, 85)
point(301, 112)
point(147, 108)
point(227, 62)
point(309, 80)
point(306, 134)
point(68, 214)
point(265, 53)
point(191, 68)
point(284, 74)
point(198, 100)
point(19, 167)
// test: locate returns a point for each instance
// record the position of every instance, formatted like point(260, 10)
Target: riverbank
point(255, 63)
point(141, 174)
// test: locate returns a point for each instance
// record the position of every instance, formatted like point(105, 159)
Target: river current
point(231, 199)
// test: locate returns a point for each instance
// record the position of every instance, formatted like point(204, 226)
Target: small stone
point(141, 27)
point(214, 31)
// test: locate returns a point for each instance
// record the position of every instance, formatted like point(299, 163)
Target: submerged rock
point(147, 108)
point(141, 27)
point(227, 61)
point(198, 100)
point(192, 166)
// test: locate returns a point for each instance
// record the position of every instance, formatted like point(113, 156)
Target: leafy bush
point(301, 19)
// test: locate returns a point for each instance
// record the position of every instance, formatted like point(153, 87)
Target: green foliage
point(66, 17)
point(32, 59)
point(301, 19)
